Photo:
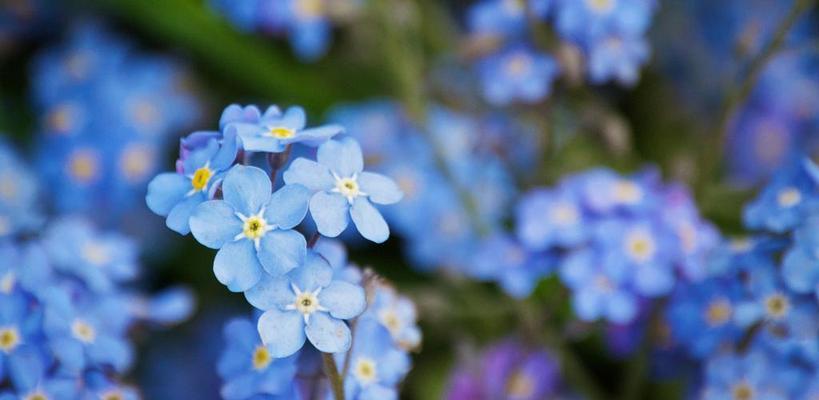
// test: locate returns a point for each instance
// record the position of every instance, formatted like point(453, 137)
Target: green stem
point(737, 97)
point(331, 370)
point(573, 369)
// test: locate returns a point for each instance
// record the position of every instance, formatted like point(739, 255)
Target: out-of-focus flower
point(275, 131)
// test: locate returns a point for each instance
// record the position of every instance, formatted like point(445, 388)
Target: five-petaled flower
point(341, 189)
point(274, 131)
point(306, 304)
point(252, 228)
point(176, 195)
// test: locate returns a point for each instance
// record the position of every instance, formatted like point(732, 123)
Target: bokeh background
point(98, 92)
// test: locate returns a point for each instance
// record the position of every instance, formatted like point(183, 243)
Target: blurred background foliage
point(394, 50)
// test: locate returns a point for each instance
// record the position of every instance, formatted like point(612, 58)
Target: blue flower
point(342, 191)
point(252, 228)
point(700, 316)
point(249, 368)
point(596, 291)
point(500, 258)
point(517, 73)
point(547, 218)
point(100, 260)
point(640, 249)
point(87, 334)
point(790, 197)
point(19, 209)
point(604, 191)
point(754, 375)
point(799, 270)
point(176, 195)
point(397, 314)
point(275, 131)
point(21, 360)
point(617, 58)
point(376, 365)
point(585, 21)
point(306, 304)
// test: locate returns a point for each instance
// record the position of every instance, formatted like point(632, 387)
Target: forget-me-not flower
point(176, 195)
point(274, 131)
point(252, 228)
point(306, 304)
point(343, 191)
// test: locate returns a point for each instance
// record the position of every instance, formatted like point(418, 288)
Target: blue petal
point(69, 353)
point(310, 174)
point(226, 155)
point(621, 307)
point(294, 118)
point(214, 223)
point(315, 273)
point(379, 188)
point(344, 300)
point(165, 191)
point(369, 221)
point(587, 304)
point(179, 217)
point(329, 211)
point(25, 367)
point(328, 334)
point(270, 292)
point(107, 350)
point(315, 136)
point(247, 189)
point(236, 266)
point(288, 206)
point(282, 332)
point(264, 144)
point(342, 157)
point(281, 251)
point(241, 387)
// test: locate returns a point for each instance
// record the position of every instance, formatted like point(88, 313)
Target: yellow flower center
point(564, 214)
point(365, 370)
point(201, 178)
point(60, 118)
point(96, 253)
point(254, 227)
point(83, 332)
point(9, 339)
point(520, 385)
point(37, 396)
point(777, 306)
point(8, 187)
point(309, 8)
point(112, 395)
point(640, 246)
point(742, 391)
point(789, 197)
point(348, 187)
point(144, 113)
point(261, 358)
point(601, 6)
point(281, 132)
point(7, 282)
point(718, 313)
point(391, 321)
point(135, 162)
point(83, 166)
point(518, 64)
point(627, 192)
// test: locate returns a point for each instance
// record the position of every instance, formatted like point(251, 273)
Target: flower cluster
point(306, 291)
point(608, 33)
point(106, 112)
point(67, 301)
point(507, 370)
point(752, 320)
point(307, 24)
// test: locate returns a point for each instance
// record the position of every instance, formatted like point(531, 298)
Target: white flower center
point(789, 197)
point(518, 64)
point(305, 302)
point(365, 370)
point(520, 385)
point(96, 253)
point(9, 339)
point(136, 162)
point(348, 187)
point(83, 166)
point(83, 332)
point(254, 227)
point(389, 318)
